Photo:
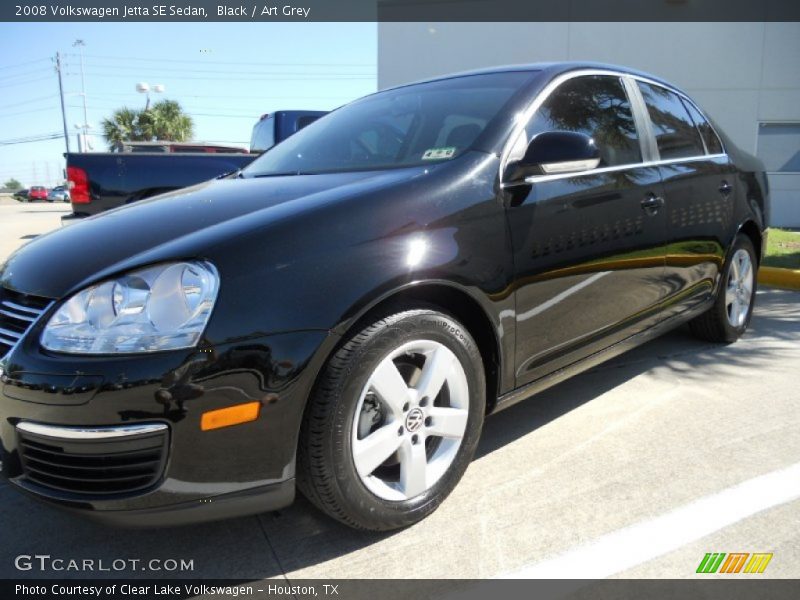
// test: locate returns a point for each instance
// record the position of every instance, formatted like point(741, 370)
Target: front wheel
point(393, 422)
point(730, 315)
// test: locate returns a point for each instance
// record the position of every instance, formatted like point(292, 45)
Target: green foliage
point(13, 185)
point(783, 249)
point(163, 121)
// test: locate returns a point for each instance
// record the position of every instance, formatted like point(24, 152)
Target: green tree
point(167, 121)
point(123, 126)
point(13, 185)
point(164, 120)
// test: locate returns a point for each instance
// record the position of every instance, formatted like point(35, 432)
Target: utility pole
point(80, 44)
point(61, 94)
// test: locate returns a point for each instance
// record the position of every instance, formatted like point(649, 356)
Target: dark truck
point(100, 181)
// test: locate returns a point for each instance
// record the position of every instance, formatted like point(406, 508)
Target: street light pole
point(80, 44)
point(144, 88)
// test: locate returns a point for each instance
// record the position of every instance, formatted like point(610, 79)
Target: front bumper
point(242, 469)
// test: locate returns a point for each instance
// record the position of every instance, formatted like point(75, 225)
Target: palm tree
point(169, 122)
point(123, 126)
point(164, 120)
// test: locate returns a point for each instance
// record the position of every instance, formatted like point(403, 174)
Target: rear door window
point(675, 133)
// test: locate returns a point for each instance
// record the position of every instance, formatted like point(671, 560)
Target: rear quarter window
point(713, 145)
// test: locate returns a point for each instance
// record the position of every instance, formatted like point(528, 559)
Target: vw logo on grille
point(414, 419)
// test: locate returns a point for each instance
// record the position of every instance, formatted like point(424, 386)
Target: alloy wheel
point(739, 290)
point(410, 420)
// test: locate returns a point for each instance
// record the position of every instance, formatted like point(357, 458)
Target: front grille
point(99, 466)
point(18, 312)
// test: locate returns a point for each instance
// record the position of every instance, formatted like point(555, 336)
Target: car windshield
point(409, 126)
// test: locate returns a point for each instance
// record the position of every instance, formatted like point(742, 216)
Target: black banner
point(401, 10)
point(383, 589)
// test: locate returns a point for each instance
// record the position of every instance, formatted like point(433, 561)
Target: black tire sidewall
point(355, 497)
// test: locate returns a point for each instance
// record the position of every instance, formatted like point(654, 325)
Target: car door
point(699, 189)
point(589, 247)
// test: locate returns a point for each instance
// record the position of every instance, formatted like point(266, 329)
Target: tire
point(730, 315)
point(354, 418)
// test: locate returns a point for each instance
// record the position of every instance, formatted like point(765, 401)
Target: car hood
point(181, 224)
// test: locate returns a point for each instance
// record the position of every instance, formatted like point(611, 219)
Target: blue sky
point(224, 74)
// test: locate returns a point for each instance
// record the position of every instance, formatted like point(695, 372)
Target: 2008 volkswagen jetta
point(344, 313)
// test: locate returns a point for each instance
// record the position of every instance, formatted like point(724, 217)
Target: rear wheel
point(728, 319)
point(394, 421)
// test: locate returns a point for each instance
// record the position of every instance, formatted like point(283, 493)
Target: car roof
point(548, 69)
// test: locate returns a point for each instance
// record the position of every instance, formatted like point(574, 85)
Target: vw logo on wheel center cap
point(414, 419)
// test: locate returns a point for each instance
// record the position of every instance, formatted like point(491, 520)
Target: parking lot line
point(641, 542)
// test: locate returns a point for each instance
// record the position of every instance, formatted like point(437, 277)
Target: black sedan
point(343, 314)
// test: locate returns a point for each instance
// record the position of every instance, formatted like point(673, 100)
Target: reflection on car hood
point(168, 226)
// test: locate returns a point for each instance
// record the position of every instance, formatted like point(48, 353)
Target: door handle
point(725, 188)
point(652, 203)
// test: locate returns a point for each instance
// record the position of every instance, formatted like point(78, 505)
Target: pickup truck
point(100, 181)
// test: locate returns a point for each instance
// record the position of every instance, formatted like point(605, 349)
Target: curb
point(782, 278)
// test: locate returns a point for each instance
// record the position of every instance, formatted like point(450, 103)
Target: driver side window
point(597, 106)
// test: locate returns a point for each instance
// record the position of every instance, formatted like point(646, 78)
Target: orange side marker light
point(231, 415)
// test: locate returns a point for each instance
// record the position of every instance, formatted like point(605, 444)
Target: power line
point(25, 112)
point(31, 139)
point(15, 83)
point(252, 116)
point(221, 62)
point(255, 76)
point(14, 76)
point(22, 64)
point(30, 101)
point(235, 96)
point(220, 71)
point(109, 104)
point(33, 135)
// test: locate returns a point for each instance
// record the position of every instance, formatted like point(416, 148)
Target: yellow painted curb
point(783, 278)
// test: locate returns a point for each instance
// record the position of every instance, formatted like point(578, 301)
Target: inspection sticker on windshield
point(439, 153)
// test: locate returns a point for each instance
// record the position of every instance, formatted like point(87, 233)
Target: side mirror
point(554, 152)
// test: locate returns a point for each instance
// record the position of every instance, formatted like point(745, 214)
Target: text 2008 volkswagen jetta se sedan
point(343, 313)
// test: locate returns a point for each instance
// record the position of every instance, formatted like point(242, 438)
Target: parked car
point(101, 181)
point(37, 192)
point(21, 195)
point(343, 314)
point(59, 193)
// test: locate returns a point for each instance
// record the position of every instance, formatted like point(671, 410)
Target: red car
point(37, 192)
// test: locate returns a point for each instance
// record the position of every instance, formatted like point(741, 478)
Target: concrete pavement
point(20, 222)
point(657, 429)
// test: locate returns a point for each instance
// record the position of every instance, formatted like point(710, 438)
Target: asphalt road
point(635, 469)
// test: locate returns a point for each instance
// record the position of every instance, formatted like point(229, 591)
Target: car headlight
point(157, 308)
